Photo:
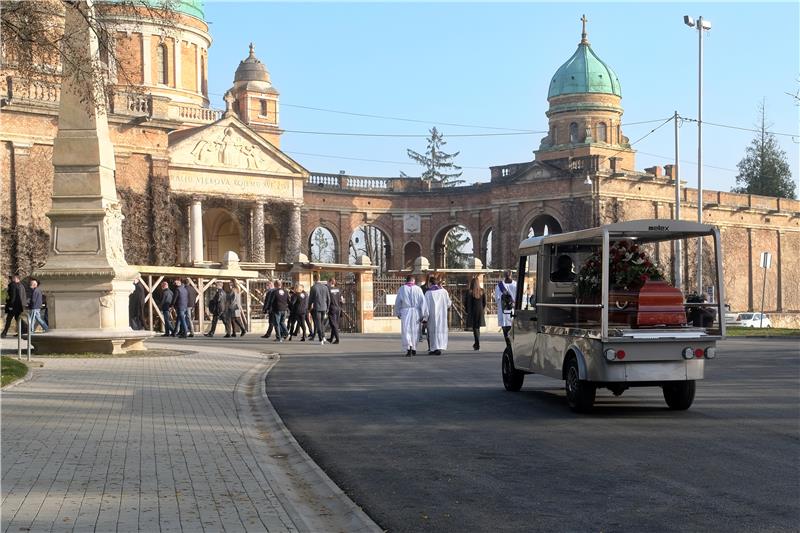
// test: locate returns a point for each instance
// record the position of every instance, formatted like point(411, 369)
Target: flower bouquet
point(630, 268)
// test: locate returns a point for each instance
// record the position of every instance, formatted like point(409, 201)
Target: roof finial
point(252, 50)
point(584, 40)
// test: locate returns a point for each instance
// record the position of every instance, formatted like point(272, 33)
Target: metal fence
point(456, 284)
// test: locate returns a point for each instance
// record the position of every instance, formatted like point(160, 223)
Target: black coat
point(16, 298)
point(474, 309)
point(136, 306)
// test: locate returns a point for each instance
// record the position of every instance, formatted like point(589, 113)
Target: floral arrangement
point(629, 265)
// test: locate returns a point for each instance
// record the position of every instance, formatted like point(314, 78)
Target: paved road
point(436, 444)
point(181, 443)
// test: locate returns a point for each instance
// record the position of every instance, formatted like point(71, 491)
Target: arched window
point(573, 133)
point(602, 132)
point(162, 64)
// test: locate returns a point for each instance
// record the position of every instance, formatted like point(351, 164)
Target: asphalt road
point(436, 443)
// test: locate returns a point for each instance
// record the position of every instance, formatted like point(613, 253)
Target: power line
point(669, 158)
point(408, 135)
point(740, 128)
point(409, 163)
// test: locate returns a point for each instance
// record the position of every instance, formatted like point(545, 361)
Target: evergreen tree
point(764, 170)
point(439, 166)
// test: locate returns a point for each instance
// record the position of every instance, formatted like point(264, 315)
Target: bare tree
point(35, 46)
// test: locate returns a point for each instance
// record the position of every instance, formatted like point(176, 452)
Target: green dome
point(191, 7)
point(584, 72)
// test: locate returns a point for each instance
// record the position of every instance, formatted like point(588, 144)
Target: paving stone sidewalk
point(144, 444)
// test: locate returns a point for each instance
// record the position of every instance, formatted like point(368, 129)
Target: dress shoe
point(413, 352)
point(408, 353)
point(241, 334)
point(190, 335)
point(208, 335)
point(335, 342)
point(226, 336)
point(265, 336)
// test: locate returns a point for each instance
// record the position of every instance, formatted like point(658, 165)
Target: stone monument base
point(108, 341)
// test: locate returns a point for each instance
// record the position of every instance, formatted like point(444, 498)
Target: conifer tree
point(439, 165)
point(764, 170)
point(440, 168)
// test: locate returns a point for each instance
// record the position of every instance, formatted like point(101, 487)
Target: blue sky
point(489, 65)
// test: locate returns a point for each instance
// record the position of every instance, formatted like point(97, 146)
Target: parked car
point(752, 320)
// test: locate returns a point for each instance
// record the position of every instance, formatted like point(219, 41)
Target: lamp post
point(701, 24)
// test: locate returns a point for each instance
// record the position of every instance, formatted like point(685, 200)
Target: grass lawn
point(12, 370)
point(733, 331)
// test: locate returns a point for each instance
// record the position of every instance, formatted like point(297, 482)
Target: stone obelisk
point(86, 278)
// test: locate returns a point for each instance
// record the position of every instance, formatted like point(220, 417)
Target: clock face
point(411, 223)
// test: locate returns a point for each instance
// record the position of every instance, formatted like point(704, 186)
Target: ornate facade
point(195, 182)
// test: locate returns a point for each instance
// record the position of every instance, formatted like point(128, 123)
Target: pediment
point(229, 144)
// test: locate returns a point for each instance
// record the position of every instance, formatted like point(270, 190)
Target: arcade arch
point(542, 225)
point(221, 232)
point(322, 247)
point(453, 247)
point(371, 241)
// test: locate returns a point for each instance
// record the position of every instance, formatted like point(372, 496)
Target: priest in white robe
point(411, 309)
point(438, 303)
point(508, 287)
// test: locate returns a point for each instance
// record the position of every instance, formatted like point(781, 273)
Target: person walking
point(136, 305)
point(217, 306)
point(411, 309)
point(280, 308)
point(235, 309)
point(167, 296)
point(504, 296)
point(267, 309)
point(334, 310)
point(192, 294)
point(35, 308)
point(474, 307)
point(16, 299)
point(318, 300)
point(438, 301)
point(298, 309)
point(181, 304)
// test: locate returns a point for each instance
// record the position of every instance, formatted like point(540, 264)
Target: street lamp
point(701, 24)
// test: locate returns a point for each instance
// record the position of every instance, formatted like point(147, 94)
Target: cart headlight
point(711, 353)
point(688, 353)
point(610, 354)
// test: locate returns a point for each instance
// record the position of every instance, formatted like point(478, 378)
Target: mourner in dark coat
point(136, 305)
point(16, 297)
point(474, 307)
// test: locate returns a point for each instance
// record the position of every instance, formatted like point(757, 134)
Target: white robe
point(438, 302)
point(504, 318)
point(410, 308)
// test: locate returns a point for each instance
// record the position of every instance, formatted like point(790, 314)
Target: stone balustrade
point(22, 90)
point(194, 114)
point(361, 183)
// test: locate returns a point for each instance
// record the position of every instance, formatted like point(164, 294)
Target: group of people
point(291, 311)
point(424, 310)
point(18, 299)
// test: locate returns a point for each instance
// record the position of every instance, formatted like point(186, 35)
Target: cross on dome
point(584, 39)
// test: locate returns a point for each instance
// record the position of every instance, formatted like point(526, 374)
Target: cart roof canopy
point(648, 230)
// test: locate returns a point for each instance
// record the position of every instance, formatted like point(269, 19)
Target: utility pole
point(678, 251)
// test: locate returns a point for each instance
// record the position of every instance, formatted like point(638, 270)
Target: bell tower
point(255, 100)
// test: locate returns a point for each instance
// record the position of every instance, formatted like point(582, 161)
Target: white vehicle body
point(752, 320)
point(564, 338)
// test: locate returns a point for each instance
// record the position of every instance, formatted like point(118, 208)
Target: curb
point(319, 504)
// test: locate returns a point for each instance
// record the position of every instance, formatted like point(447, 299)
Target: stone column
point(293, 234)
point(177, 63)
point(258, 253)
point(196, 229)
point(147, 64)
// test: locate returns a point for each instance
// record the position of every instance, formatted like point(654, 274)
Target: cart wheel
point(580, 393)
point(679, 395)
point(512, 378)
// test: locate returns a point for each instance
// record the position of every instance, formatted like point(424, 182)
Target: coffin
point(660, 304)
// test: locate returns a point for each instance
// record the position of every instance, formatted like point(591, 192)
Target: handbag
point(237, 313)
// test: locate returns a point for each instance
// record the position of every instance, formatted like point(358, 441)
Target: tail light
point(699, 353)
point(614, 355)
point(711, 353)
point(688, 353)
point(620, 354)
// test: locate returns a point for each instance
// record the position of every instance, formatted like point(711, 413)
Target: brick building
point(194, 182)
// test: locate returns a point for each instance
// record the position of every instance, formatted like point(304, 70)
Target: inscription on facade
point(232, 184)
